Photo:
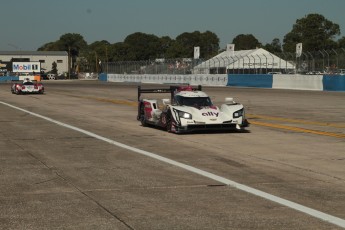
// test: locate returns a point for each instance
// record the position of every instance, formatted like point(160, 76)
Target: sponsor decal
point(26, 67)
point(210, 114)
point(147, 110)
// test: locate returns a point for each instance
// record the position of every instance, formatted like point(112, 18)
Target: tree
point(183, 46)
point(341, 42)
point(165, 43)
point(51, 46)
point(246, 42)
point(70, 42)
point(73, 44)
point(314, 31)
point(209, 46)
point(119, 52)
point(177, 50)
point(100, 47)
point(92, 54)
point(142, 46)
point(54, 68)
point(274, 47)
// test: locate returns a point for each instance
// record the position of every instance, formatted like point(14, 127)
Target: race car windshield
point(28, 83)
point(193, 101)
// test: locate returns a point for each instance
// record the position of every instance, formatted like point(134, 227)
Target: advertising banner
point(26, 67)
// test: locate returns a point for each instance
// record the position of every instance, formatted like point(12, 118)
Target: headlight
point(238, 113)
point(184, 115)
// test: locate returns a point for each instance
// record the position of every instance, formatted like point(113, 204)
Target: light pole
point(336, 56)
point(327, 59)
point(106, 57)
point(69, 62)
point(96, 62)
point(323, 61)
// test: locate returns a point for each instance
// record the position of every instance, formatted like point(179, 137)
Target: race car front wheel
point(170, 125)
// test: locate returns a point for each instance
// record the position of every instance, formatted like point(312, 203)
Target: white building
point(46, 58)
point(254, 61)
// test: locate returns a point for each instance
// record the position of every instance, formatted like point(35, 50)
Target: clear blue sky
point(29, 24)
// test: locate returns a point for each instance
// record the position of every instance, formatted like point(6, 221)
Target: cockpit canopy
point(193, 101)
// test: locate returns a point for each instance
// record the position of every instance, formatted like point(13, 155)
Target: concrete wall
point(250, 80)
point(280, 81)
point(302, 82)
point(16, 78)
point(8, 78)
point(276, 81)
point(333, 83)
point(192, 79)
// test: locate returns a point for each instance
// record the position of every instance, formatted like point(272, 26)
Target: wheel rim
point(142, 120)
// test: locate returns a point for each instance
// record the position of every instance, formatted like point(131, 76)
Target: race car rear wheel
point(143, 121)
point(142, 116)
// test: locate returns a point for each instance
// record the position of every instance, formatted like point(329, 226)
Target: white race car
point(189, 109)
point(27, 86)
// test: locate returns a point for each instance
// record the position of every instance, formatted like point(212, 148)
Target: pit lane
point(110, 186)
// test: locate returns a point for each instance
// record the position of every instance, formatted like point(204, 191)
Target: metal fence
point(322, 61)
point(319, 62)
point(158, 66)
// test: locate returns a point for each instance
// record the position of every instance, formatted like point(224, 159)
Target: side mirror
point(229, 100)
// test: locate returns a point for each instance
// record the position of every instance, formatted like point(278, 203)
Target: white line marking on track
point(312, 212)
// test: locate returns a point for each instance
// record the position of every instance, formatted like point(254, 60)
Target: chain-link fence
point(322, 61)
point(319, 62)
point(158, 66)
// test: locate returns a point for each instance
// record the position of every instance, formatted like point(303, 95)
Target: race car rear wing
point(171, 90)
point(17, 81)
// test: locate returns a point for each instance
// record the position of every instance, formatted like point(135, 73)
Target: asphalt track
point(76, 158)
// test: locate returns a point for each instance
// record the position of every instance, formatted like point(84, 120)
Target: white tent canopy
point(256, 60)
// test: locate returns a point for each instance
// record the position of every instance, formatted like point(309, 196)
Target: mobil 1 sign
point(25, 67)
